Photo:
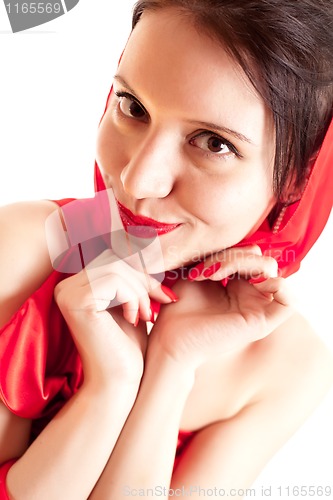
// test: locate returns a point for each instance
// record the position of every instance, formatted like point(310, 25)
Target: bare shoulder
point(14, 434)
point(287, 373)
point(24, 259)
point(296, 364)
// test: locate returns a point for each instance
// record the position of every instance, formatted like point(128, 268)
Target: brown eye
point(131, 108)
point(215, 145)
point(212, 144)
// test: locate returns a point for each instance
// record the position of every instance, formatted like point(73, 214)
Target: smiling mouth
point(142, 226)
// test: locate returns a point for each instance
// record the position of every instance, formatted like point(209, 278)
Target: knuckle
point(256, 249)
point(70, 299)
point(239, 255)
point(272, 265)
point(279, 282)
point(60, 291)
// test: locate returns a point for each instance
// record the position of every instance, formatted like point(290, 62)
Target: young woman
point(214, 160)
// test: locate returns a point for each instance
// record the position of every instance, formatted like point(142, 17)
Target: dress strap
point(63, 202)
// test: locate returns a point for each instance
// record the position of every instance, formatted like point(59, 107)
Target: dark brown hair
point(285, 47)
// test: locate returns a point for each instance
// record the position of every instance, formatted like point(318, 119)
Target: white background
point(53, 86)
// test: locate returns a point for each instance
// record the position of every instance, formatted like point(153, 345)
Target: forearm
point(145, 452)
point(67, 458)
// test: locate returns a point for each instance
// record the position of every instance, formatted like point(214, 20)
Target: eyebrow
point(222, 130)
point(210, 125)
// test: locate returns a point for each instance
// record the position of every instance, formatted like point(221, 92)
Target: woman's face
point(186, 140)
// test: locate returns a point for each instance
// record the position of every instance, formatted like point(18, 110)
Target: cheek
point(109, 148)
point(216, 200)
point(236, 203)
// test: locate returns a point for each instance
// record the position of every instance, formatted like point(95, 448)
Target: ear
point(293, 191)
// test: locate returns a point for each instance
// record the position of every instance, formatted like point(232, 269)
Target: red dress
point(40, 368)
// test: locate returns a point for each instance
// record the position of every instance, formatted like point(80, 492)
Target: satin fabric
point(4, 468)
point(303, 220)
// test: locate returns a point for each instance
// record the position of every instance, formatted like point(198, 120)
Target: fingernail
point(152, 316)
point(224, 282)
point(255, 281)
point(209, 271)
point(136, 322)
point(196, 271)
point(169, 293)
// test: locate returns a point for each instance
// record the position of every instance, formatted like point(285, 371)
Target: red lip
point(130, 220)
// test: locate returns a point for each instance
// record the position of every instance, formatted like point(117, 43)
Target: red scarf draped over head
point(302, 222)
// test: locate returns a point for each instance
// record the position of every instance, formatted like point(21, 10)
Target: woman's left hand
point(246, 261)
point(210, 319)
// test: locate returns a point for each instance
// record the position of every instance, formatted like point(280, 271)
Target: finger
point(253, 249)
point(104, 279)
point(249, 266)
point(280, 308)
point(163, 295)
point(131, 311)
point(144, 308)
point(279, 289)
point(111, 291)
point(97, 268)
point(109, 264)
point(219, 260)
point(246, 265)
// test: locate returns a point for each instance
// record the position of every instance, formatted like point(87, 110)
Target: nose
point(151, 170)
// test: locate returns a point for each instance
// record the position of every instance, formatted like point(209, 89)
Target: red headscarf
point(302, 221)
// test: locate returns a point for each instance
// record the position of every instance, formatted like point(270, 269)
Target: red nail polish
point(209, 271)
point(196, 271)
point(224, 282)
point(169, 293)
point(259, 279)
point(152, 316)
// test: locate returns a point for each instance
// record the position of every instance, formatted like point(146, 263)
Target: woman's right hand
point(210, 319)
point(102, 306)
